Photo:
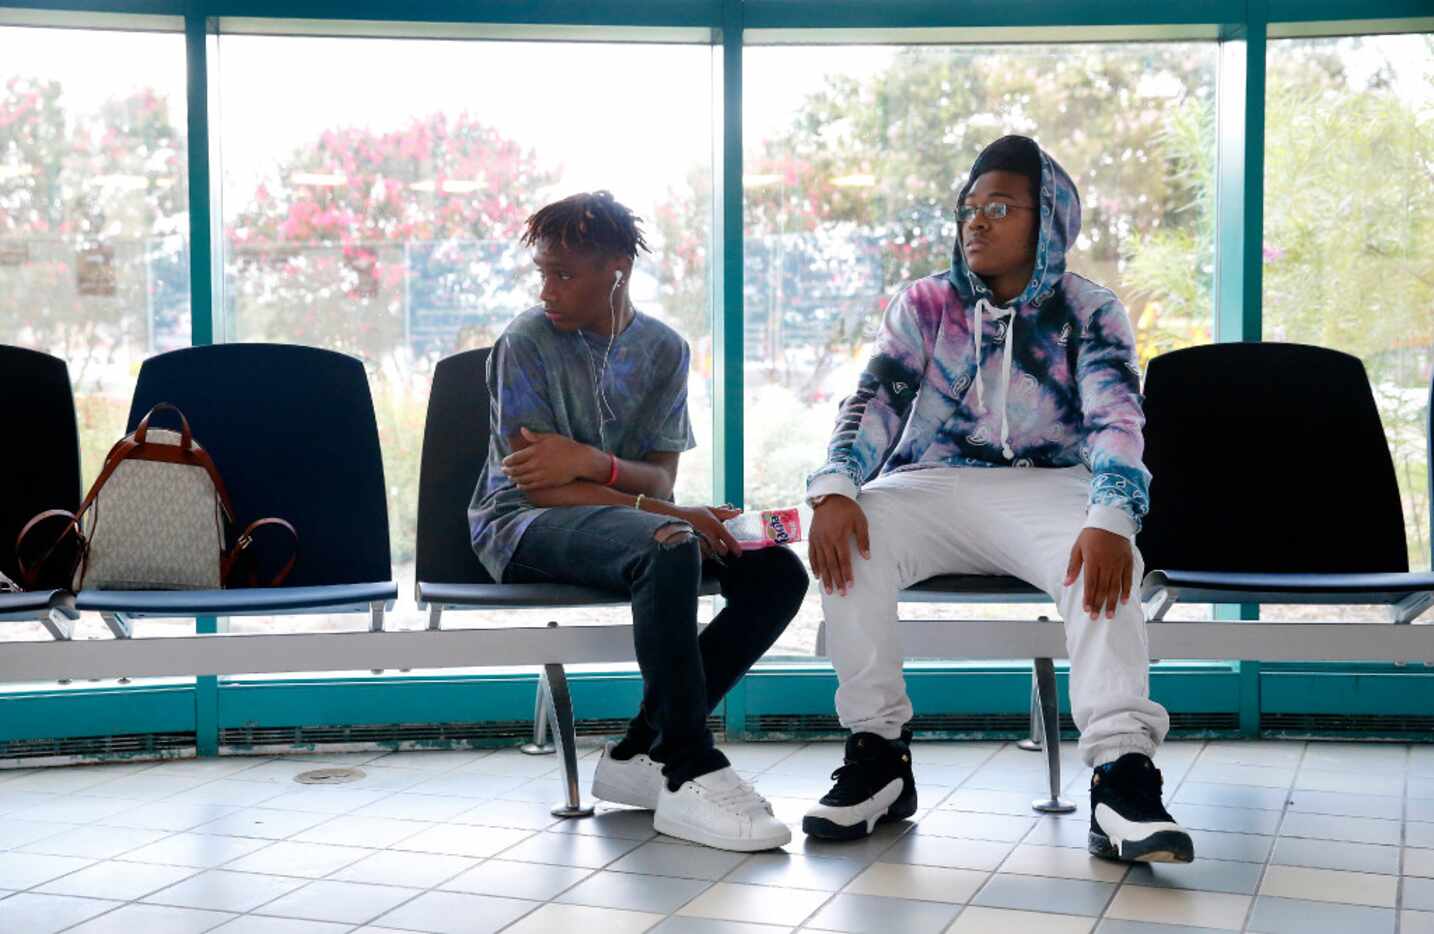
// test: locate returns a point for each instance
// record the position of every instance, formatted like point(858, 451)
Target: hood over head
point(1059, 218)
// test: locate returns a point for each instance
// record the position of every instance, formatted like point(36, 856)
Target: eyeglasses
point(994, 210)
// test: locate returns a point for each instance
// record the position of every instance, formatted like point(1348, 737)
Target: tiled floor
point(1295, 837)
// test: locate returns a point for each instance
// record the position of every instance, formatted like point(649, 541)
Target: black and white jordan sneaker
point(874, 785)
point(1127, 820)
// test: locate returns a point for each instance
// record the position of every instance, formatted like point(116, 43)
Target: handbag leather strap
point(241, 545)
point(29, 573)
point(186, 437)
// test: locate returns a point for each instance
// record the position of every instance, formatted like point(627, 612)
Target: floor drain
point(329, 776)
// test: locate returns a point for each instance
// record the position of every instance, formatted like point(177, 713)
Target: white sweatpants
point(1020, 522)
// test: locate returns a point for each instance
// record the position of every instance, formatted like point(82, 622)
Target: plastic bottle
point(770, 527)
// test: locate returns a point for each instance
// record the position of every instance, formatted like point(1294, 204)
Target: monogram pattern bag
point(157, 523)
point(156, 518)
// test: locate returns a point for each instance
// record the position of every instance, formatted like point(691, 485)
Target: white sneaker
point(637, 781)
point(720, 810)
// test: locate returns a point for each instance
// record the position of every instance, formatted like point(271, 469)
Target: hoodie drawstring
point(1006, 389)
point(981, 305)
point(984, 306)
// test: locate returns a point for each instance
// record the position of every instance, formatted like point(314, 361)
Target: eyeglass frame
point(986, 209)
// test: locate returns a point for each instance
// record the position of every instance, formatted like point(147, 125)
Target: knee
point(770, 581)
point(675, 550)
point(783, 580)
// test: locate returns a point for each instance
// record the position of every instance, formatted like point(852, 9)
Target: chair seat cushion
point(1207, 586)
point(518, 596)
point(29, 604)
point(244, 601)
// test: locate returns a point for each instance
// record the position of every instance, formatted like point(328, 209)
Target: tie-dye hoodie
point(1057, 383)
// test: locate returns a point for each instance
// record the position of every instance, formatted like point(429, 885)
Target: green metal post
point(727, 348)
point(1240, 192)
point(201, 240)
point(1240, 209)
point(202, 282)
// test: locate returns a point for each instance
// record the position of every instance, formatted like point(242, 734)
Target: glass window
point(94, 217)
point(1349, 232)
point(379, 214)
point(94, 202)
point(854, 156)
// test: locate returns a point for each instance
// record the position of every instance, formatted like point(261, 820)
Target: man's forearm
point(586, 493)
point(639, 477)
point(632, 476)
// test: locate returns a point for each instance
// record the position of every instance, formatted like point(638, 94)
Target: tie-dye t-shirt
point(942, 389)
point(547, 380)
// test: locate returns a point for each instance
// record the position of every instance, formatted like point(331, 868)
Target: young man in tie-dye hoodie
point(996, 430)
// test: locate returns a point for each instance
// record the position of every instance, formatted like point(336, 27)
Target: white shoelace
point(742, 799)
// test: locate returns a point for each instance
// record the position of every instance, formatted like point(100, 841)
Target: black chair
point(293, 433)
point(40, 470)
point(449, 576)
point(1273, 483)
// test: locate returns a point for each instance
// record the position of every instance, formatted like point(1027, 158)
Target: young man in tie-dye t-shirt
point(588, 419)
point(996, 430)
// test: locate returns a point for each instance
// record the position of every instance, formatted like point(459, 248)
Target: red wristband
point(612, 477)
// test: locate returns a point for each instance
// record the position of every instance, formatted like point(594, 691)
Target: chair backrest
point(293, 433)
point(1268, 457)
point(455, 446)
point(40, 468)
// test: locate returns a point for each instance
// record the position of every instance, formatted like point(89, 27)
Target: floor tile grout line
point(425, 890)
point(1403, 836)
point(327, 817)
point(1275, 839)
point(307, 881)
point(114, 858)
point(789, 755)
point(591, 872)
point(604, 868)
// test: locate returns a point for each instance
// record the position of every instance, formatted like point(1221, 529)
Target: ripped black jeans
point(684, 675)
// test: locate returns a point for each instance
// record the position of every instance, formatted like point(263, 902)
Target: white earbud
point(605, 412)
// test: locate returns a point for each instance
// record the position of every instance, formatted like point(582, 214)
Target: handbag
point(156, 518)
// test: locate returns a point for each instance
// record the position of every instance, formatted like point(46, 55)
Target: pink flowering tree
point(321, 254)
point(91, 207)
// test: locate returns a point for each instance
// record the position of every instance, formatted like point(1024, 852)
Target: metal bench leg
point(1408, 609)
point(118, 624)
point(60, 628)
point(1032, 743)
point(560, 711)
point(540, 745)
point(1051, 734)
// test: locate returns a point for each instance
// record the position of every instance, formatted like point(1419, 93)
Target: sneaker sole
point(618, 794)
point(823, 829)
point(738, 845)
point(1167, 846)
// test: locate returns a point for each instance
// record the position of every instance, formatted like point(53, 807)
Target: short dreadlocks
point(588, 221)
